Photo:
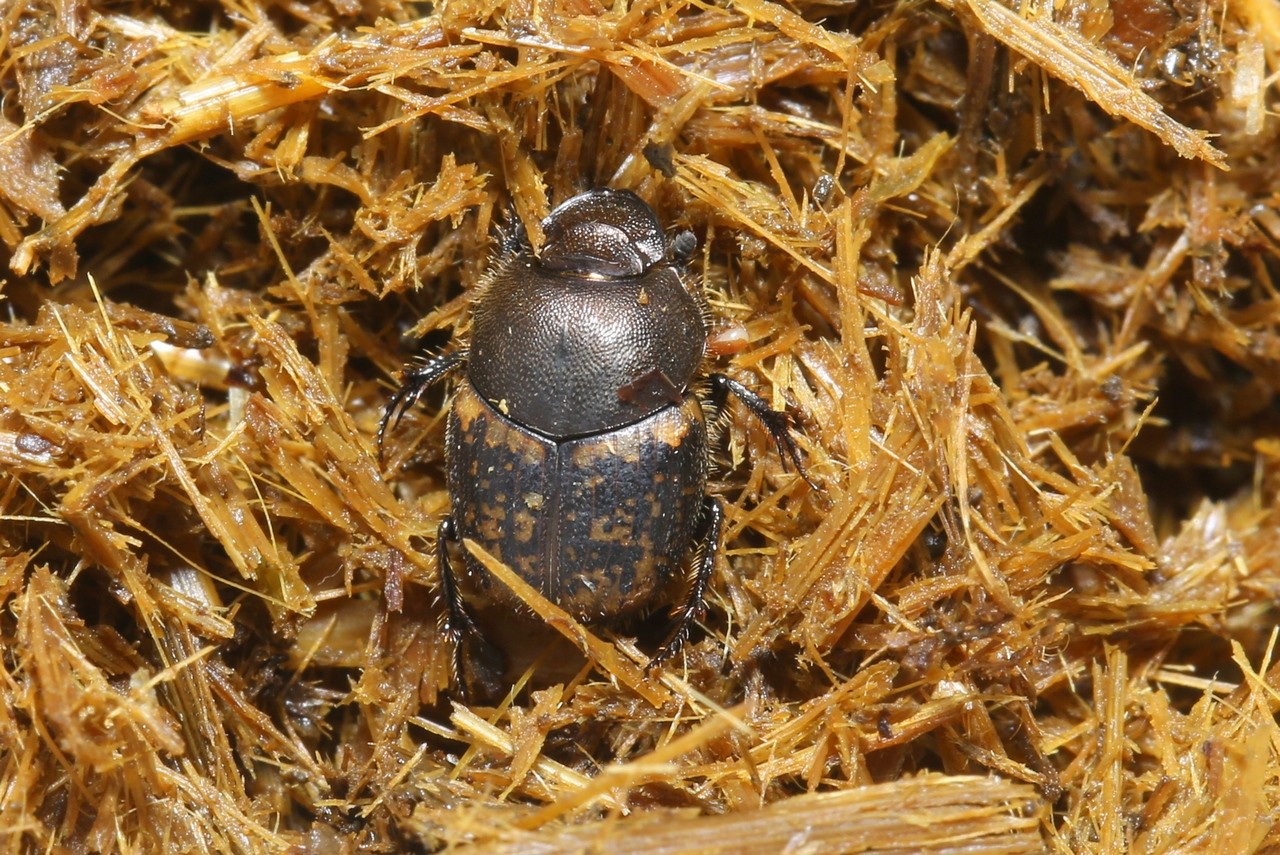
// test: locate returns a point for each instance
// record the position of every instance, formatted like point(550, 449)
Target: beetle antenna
point(683, 246)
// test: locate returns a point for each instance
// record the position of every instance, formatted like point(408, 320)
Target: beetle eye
point(603, 233)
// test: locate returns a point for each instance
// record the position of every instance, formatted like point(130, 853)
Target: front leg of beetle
point(778, 425)
point(695, 603)
point(415, 383)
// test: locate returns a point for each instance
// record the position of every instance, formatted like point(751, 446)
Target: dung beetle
point(576, 448)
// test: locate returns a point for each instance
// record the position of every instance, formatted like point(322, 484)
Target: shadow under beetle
point(576, 447)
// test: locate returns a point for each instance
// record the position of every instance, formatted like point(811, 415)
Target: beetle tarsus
point(696, 602)
point(416, 382)
point(778, 424)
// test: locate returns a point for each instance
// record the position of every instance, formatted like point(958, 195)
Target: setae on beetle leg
point(711, 522)
point(416, 382)
point(459, 620)
point(778, 424)
point(476, 663)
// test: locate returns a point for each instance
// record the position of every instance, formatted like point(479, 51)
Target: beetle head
point(603, 234)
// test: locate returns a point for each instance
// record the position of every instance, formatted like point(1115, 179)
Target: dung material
point(1012, 268)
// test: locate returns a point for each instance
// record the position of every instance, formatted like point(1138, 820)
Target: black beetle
point(576, 447)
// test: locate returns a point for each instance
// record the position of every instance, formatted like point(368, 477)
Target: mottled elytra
point(576, 448)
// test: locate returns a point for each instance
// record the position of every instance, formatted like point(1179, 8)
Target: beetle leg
point(416, 382)
point(459, 620)
point(778, 424)
point(461, 627)
point(711, 522)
